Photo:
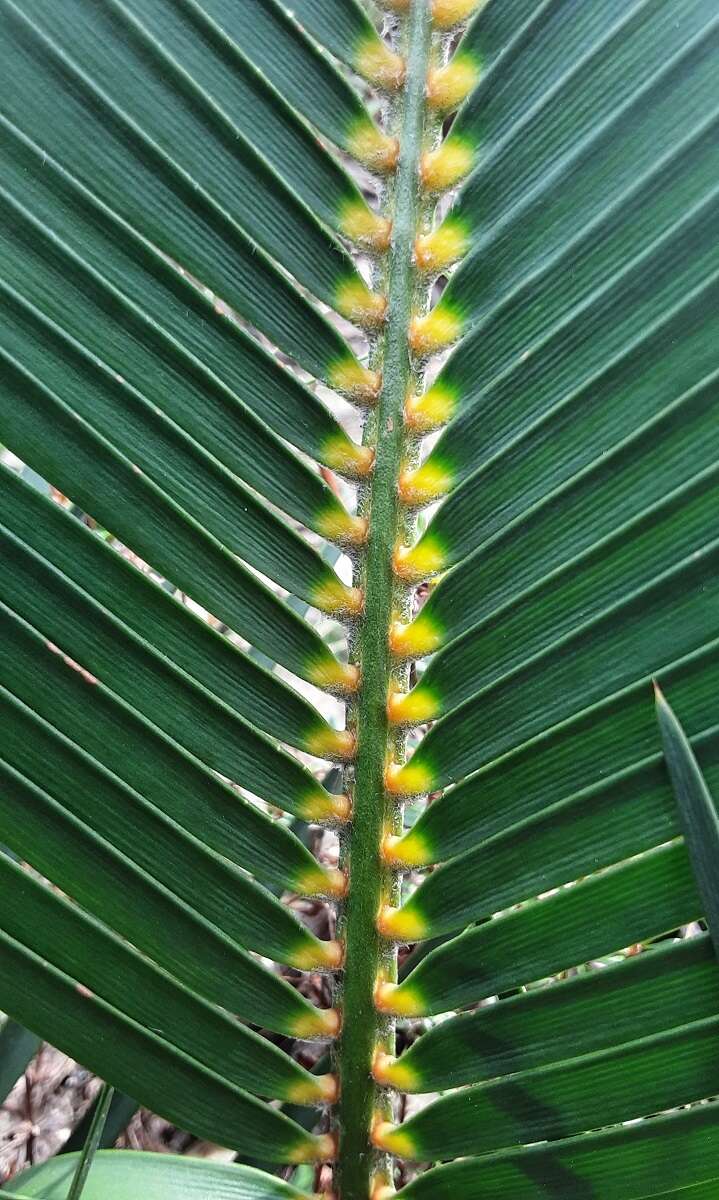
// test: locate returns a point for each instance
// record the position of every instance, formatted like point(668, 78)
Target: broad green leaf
point(127, 1174)
point(555, 267)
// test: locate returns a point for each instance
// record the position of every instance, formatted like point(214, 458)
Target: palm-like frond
point(178, 220)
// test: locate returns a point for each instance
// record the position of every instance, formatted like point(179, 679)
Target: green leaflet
point(93, 1032)
point(565, 83)
point(578, 756)
point(135, 176)
point(254, 381)
point(616, 344)
point(493, 292)
point(296, 67)
point(127, 1174)
point(666, 359)
point(600, 579)
point(630, 1080)
point(225, 73)
point(624, 816)
point(631, 640)
point(128, 422)
point(52, 605)
point(647, 1159)
point(150, 916)
point(338, 27)
point(671, 984)
point(101, 1108)
point(240, 908)
point(110, 46)
point(610, 498)
point(18, 1047)
point(697, 810)
point(136, 511)
point(157, 769)
point(628, 903)
point(162, 622)
point(59, 933)
point(57, 293)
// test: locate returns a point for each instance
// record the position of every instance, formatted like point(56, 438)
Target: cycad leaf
point(177, 223)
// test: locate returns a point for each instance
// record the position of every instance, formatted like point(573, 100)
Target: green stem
point(370, 882)
point(93, 1140)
